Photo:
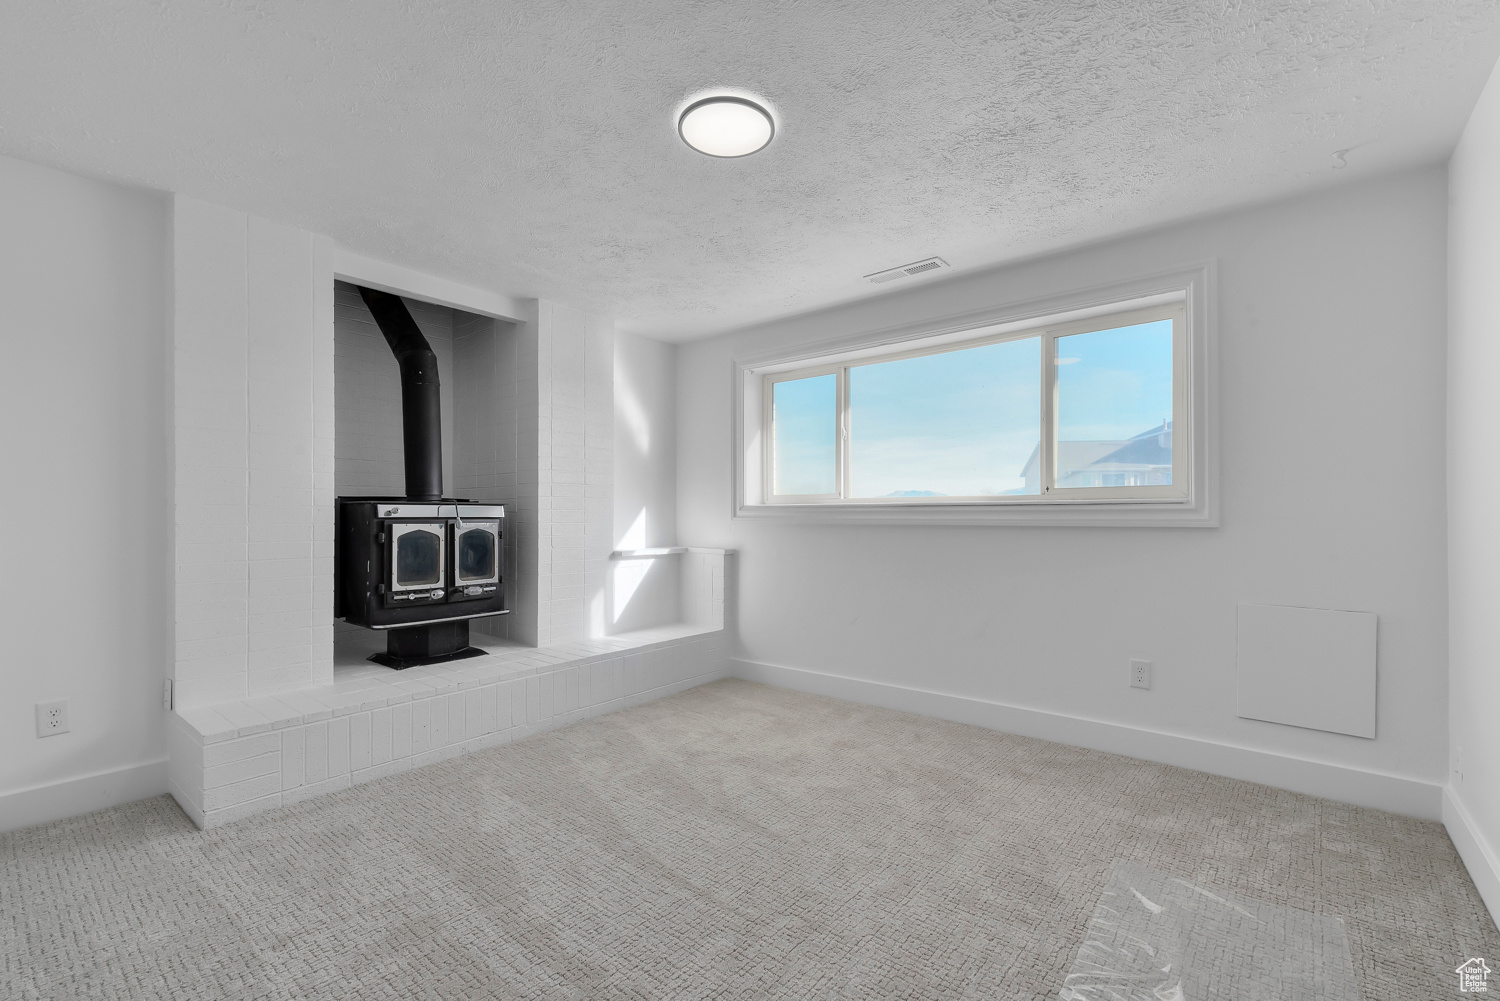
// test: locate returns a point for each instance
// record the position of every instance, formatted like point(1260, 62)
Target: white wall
point(1331, 312)
point(644, 592)
point(84, 604)
point(1474, 493)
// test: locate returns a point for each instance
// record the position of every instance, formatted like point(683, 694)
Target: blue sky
point(965, 422)
point(806, 412)
point(957, 423)
point(1121, 384)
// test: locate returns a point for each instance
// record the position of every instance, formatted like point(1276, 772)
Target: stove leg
point(414, 646)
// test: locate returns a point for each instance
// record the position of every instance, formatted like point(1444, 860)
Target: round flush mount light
point(726, 126)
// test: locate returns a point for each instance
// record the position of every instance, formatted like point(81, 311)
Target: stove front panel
point(402, 564)
point(417, 561)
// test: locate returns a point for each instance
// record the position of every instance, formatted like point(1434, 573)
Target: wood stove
point(419, 567)
point(404, 566)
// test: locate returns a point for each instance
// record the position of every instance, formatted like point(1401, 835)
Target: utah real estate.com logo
point(1473, 977)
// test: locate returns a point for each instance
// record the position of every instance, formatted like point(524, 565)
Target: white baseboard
point(1474, 848)
point(1378, 790)
point(41, 804)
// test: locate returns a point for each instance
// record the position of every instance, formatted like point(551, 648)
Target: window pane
point(804, 429)
point(419, 559)
point(1114, 407)
point(958, 424)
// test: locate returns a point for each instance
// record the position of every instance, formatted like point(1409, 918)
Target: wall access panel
point(1308, 667)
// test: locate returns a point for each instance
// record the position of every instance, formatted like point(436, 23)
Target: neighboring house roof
point(1112, 455)
point(1140, 452)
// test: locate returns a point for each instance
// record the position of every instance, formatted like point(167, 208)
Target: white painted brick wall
point(574, 471)
point(210, 429)
point(281, 500)
point(487, 384)
point(523, 516)
point(251, 368)
point(598, 463)
point(325, 433)
point(486, 433)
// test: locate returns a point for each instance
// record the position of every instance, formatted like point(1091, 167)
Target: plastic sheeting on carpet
point(1157, 937)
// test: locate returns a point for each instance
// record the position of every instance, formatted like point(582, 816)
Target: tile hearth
point(234, 759)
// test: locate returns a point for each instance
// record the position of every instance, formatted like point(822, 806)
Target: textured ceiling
point(530, 147)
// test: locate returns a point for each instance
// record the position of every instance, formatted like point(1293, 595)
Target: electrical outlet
point(51, 718)
point(1140, 673)
point(166, 694)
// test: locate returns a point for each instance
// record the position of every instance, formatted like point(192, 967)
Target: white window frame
point(1190, 500)
point(839, 431)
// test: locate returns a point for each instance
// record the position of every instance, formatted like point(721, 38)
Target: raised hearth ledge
point(646, 554)
point(235, 759)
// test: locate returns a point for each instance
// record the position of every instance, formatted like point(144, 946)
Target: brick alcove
point(253, 308)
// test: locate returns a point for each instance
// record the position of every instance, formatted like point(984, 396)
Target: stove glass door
point(478, 552)
point(417, 556)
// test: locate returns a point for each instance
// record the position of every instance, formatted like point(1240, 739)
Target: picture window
point(1088, 409)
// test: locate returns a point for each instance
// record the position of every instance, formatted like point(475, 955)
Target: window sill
point(1049, 512)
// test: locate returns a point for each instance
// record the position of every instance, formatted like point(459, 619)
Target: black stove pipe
point(421, 399)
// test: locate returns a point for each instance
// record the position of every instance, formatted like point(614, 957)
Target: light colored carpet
point(734, 841)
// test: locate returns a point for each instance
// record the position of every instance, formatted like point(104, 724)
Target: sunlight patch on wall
point(630, 410)
point(635, 535)
point(629, 576)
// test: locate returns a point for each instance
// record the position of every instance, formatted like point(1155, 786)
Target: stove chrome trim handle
point(451, 618)
point(439, 510)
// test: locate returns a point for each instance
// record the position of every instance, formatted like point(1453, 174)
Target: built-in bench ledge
point(230, 760)
point(646, 554)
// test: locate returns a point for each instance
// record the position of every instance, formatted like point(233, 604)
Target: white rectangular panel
point(1310, 667)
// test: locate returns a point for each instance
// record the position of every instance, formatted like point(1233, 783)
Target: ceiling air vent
point(907, 270)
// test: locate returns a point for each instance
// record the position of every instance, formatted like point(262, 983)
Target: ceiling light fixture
point(726, 126)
